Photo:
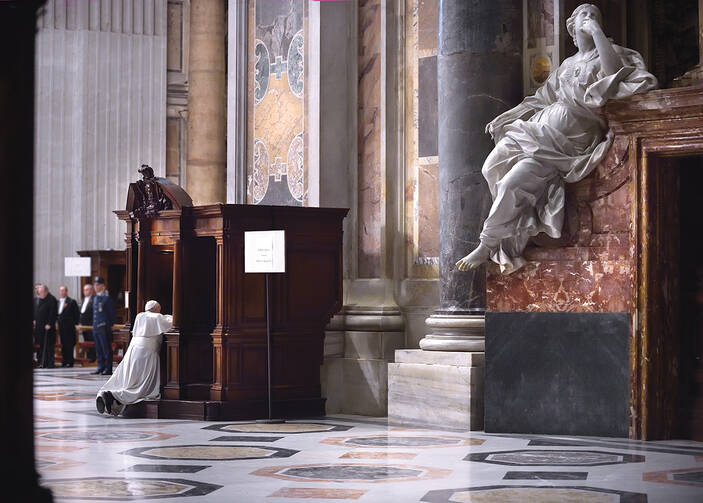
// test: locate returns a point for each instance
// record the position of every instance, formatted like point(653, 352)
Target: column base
point(359, 343)
point(455, 332)
point(436, 388)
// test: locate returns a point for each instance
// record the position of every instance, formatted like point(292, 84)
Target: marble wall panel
point(427, 23)
point(428, 210)
point(277, 172)
point(174, 37)
point(558, 373)
point(427, 107)
point(371, 183)
point(421, 190)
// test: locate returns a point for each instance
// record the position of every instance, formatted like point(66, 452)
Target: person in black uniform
point(68, 319)
point(103, 319)
point(45, 313)
point(86, 317)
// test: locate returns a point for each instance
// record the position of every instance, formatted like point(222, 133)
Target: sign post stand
point(265, 252)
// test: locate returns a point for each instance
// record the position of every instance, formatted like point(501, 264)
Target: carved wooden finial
point(147, 172)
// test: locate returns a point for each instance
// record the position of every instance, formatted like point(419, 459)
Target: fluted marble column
point(479, 76)
point(100, 112)
point(206, 172)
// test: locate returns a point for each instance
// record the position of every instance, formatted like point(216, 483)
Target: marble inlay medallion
point(52, 463)
point(352, 472)
point(523, 475)
point(210, 452)
point(693, 477)
point(530, 494)
point(115, 488)
point(166, 468)
point(85, 376)
point(102, 435)
point(52, 396)
point(415, 441)
point(261, 70)
point(317, 493)
point(554, 458)
point(684, 477)
point(278, 428)
point(378, 455)
point(47, 419)
point(242, 438)
point(296, 51)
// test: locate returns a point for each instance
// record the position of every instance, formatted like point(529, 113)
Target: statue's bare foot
point(475, 258)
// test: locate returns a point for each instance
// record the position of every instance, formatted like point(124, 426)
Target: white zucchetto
point(151, 305)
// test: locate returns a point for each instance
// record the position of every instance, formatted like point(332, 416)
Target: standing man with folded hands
point(103, 319)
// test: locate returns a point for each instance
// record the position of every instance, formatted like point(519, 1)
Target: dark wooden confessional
point(191, 260)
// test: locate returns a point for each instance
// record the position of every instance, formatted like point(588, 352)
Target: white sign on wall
point(264, 251)
point(76, 266)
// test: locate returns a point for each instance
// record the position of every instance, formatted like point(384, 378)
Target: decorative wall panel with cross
point(277, 170)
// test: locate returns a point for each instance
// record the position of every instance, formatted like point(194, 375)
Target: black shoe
point(100, 404)
point(99, 371)
point(106, 372)
point(109, 399)
point(69, 365)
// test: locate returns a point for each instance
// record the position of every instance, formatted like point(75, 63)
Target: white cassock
point(138, 375)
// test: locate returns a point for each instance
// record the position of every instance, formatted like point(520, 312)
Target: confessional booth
point(191, 260)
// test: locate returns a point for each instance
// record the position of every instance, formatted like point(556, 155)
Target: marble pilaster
point(371, 324)
point(206, 174)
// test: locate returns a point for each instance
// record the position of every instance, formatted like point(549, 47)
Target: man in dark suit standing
point(103, 319)
point(86, 317)
point(68, 319)
point(45, 313)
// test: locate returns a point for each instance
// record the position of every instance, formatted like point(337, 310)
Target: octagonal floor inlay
point(210, 452)
point(115, 488)
point(685, 477)
point(532, 494)
point(554, 458)
point(102, 435)
point(415, 441)
point(346, 472)
point(278, 428)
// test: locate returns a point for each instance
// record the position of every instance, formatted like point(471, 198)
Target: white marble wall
point(100, 113)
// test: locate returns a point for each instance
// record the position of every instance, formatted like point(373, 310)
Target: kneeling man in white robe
point(138, 375)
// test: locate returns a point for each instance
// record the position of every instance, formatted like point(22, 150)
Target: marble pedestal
point(436, 388)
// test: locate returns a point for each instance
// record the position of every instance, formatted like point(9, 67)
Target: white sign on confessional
point(76, 266)
point(264, 251)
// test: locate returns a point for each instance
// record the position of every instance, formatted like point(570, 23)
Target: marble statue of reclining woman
point(556, 136)
point(138, 376)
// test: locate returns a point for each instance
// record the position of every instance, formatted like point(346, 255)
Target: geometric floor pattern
point(83, 456)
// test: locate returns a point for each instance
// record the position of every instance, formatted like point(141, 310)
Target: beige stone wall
point(421, 162)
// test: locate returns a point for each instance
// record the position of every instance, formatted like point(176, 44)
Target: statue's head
point(571, 22)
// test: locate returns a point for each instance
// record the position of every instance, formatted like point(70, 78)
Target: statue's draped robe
point(138, 375)
point(556, 136)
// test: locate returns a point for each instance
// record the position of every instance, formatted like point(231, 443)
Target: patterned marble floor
point(83, 456)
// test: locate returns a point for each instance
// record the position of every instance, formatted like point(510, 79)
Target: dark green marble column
point(479, 76)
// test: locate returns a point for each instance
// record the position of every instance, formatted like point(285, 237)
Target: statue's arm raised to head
point(555, 137)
